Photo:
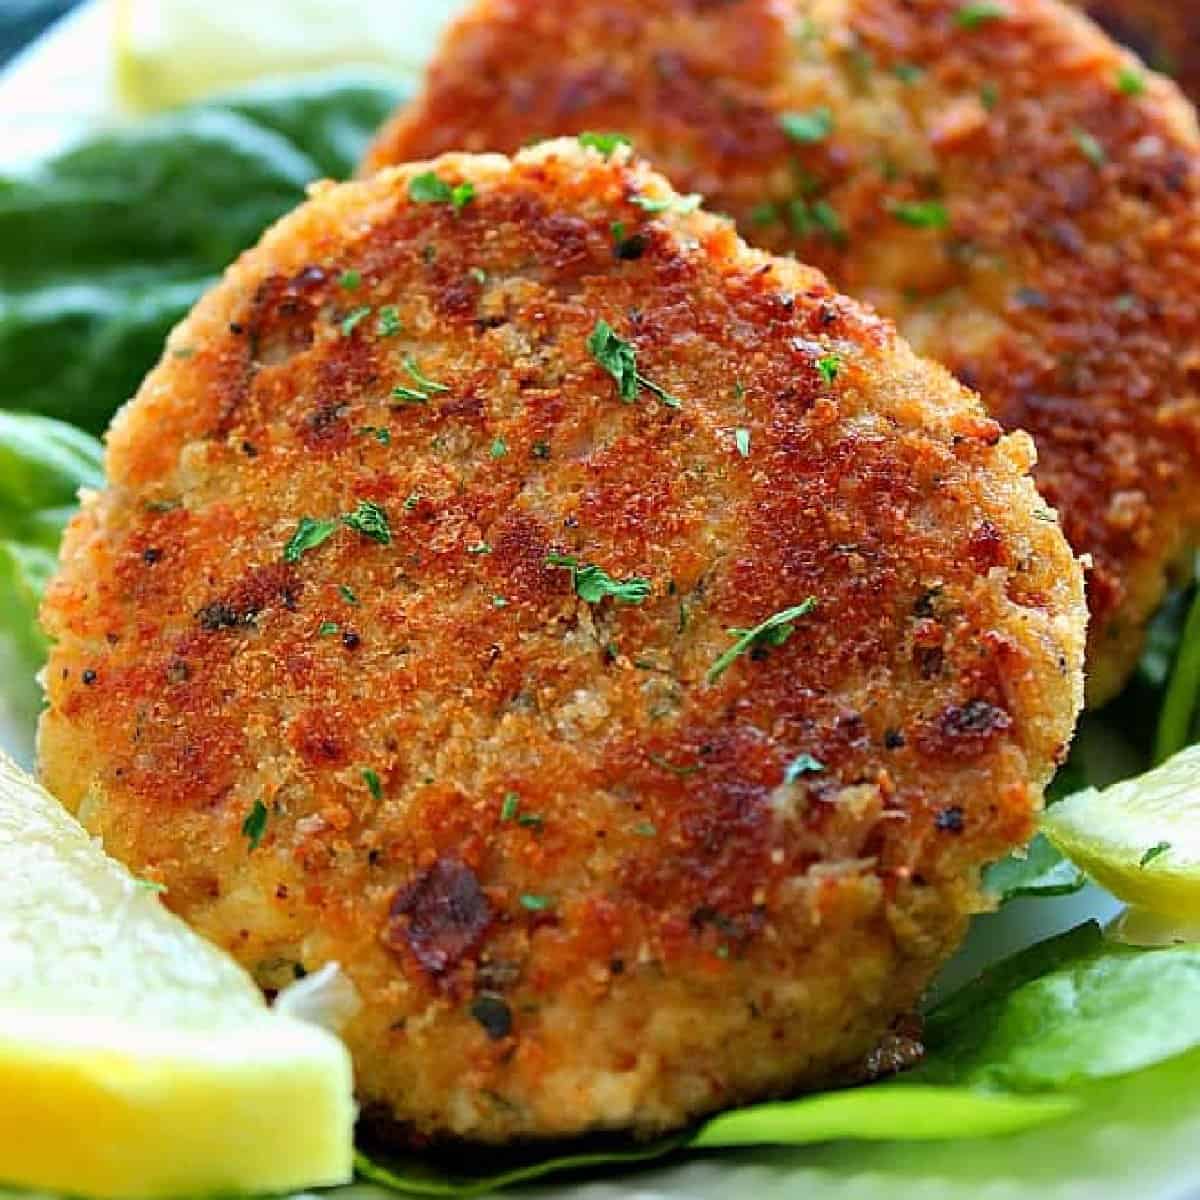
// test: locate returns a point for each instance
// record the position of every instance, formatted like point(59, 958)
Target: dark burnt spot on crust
point(319, 739)
point(964, 731)
point(441, 917)
point(275, 586)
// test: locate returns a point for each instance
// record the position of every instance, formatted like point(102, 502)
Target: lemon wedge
point(137, 1060)
point(1139, 838)
point(172, 51)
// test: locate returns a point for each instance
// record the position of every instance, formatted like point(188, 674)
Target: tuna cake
point(615, 648)
point(1017, 192)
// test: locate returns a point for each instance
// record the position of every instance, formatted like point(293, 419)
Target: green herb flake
point(605, 143)
point(499, 448)
point(255, 824)
point(908, 72)
point(407, 395)
point(479, 548)
point(151, 885)
point(381, 435)
point(619, 359)
point(592, 584)
point(371, 779)
point(1090, 148)
point(741, 439)
point(989, 96)
point(974, 16)
point(423, 381)
point(371, 521)
point(679, 204)
point(540, 450)
point(774, 631)
point(478, 275)
point(328, 628)
point(692, 769)
point(388, 323)
point(534, 903)
point(411, 501)
point(1155, 852)
point(353, 318)
point(347, 594)
point(828, 366)
point(428, 188)
point(765, 213)
point(349, 280)
point(461, 195)
point(646, 829)
point(807, 127)
point(310, 533)
point(530, 821)
point(510, 806)
point(921, 214)
point(499, 602)
point(802, 764)
point(1130, 81)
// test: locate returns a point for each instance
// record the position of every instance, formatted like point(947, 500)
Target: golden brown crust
point(993, 185)
point(658, 922)
point(1163, 33)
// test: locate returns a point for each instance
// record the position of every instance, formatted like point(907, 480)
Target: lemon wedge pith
point(1139, 838)
point(137, 1060)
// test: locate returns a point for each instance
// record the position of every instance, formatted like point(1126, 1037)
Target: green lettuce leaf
point(104, 248)
point(43, 464)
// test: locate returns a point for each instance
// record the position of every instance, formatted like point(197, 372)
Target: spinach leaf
point(105, 247)
point(1043, 871)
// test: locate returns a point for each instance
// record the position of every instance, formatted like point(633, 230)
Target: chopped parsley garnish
point(371, 779)
point(807, 127)
point(353, 317)
point(645, 829)
point(429, 188)
point(310, 533)
point(371, 521)
point(908, 72)
point(255, 824)
point(389, 323)
point(499, 448)
point(499, 602)
point(1090, 148)
point(381, 435)
point(741, 439)
point(510, 807)
point(407, 395)
point(478, 275)
point(1155, 851)
point(411, 501)
point(972, 16)
point(828, 366)
point(347, 594)
point(592, 584)
point(989, 95)
point(533, 903)
point(679, 204)
point(606, 143)
point(151, 885)
point(1130, 81)
point(921, 214)
point(540, 450)
point(349, 280)
point(619, 359)
point(530, 821)
point(426, 384)
point(328, 629)
point(802, 764)
point(479, 548)
point(774, 631)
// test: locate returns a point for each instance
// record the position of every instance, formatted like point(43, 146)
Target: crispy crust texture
point(987, 183)
point(1163, 33)
point(569, 871)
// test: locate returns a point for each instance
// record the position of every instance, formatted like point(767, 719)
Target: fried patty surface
point(1019, 194)
point(406, 636)
point(1164, 33)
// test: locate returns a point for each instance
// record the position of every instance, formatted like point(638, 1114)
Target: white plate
point(60, 89)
